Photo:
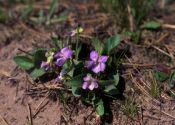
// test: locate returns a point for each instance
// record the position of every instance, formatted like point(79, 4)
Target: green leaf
point(111, 43)
point(135, 36)
point(24, 62)
point(76, 91)
point(78, 50)
point(76, 81)
point(111, 89)
point(113, 81)
point(153, 25)
point(160, 76)
point(78, 67)
point(58, 19)
point(172, 80)
point(52, 8)
point(39, 56)
point(57, 42)
point(37, 73)
point(116, 79)
point(39, 51)
point(106, 82)
point(26, 11)
point(99, 107)
point(98, 45)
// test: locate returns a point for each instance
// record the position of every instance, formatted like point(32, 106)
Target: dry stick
point(165, 53)
point(131, 19)
point(39, 105)
point(30, 114)
point(86, 36)
point(40, 109)
point(162, 38)
point(168, 26)
point(138, 65)
point(4, 120)
point(25, 52)
point(165, 113)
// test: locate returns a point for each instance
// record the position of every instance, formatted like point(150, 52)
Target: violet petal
point(95, 84)
point(58, 55)
point(89, 64)
point(102, 67)
point(96, 69)
point(92, 86)
point(94, 56)
point(87, 78)
point(45, 65)
point(85, 85)
point(67, 53)
point(102, 59)
point(60, 61)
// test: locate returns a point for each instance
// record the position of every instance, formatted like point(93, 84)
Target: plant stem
point(25, 52)
point(76, 50)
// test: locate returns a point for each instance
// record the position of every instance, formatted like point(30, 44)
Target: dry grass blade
point(163, 37)
point(170, 26)
point(39, 107)
point(30, 115)
point(138, 65)
point(163, 52)
point(4, 120)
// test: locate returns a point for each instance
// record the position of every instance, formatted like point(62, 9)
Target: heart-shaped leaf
point(75, 81)
point(153, 25)
point(111, 89)
point(111, 43)
point(116, 79)
point(99, 107)
point(76, 91)
point(24, 62)
point(37, 73)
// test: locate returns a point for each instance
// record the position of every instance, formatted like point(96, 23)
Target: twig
point(170, 26)
point(86, 36)
point(39, 105)
point(53, 87)
point(162, 51)
point(30, 114)
point(40, 109)
point(25, 52)
point(165, 113)
point(162, 38)
point(138, 65)
point(4, 120)
point(131, 19)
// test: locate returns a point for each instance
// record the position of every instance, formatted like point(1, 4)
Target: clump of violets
point(97, 62)
point(62, 56)
point(86, 81)
point(89, 83)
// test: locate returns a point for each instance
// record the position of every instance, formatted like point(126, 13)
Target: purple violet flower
point(45, 65)
point(97, 62)
point(72, 33)
point(62, 56)
point(60, 76)
point(89, 83)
